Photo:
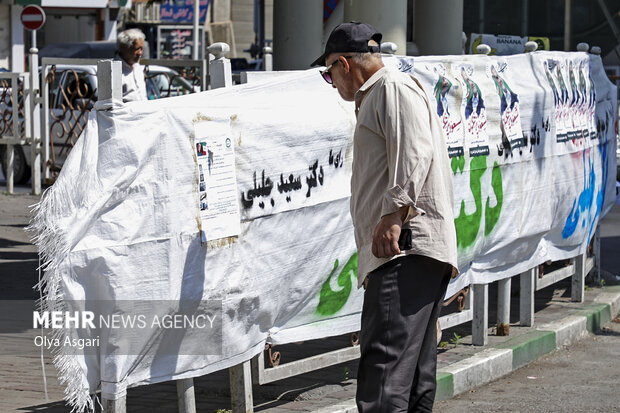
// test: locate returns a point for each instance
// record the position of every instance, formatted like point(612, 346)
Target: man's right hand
point(386, 234)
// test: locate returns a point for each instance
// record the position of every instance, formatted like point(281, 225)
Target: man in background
point(130, 48)
point(401, 206)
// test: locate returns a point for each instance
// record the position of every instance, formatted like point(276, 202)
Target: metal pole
point(526, 297)
point(503, 307)
point(186, 396)
point(196, 20)
point(525, 20)
point(261, 20)
point(204, 74)
point(567, 12)
point(35, 111)
point(578, 279)
point(480, 320)
point(241, 388)
point(45, 123)
point(481, 17)
point(597, 255)
point(9, 148)
point(109, 84)
point(114, 406)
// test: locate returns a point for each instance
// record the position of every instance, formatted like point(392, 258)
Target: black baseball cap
point(350, 37)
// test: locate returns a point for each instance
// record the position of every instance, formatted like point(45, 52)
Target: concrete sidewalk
point(461, 366)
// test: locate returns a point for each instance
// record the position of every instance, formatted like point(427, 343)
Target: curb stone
point(567, 329)
point(348, 406)
point(610, 296)
point(501, 359)
point(529, 346)
point(481, 368)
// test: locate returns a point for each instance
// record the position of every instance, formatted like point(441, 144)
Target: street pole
point(567, 10)
point(35, 111)
point(196, 20)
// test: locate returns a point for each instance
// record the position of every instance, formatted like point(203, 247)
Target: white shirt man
point(130, 48)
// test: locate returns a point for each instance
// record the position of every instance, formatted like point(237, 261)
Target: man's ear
point(345, 64)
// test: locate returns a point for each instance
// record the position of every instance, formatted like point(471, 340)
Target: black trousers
point(398, 339)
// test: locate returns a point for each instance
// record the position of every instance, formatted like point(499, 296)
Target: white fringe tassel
point(53, 246)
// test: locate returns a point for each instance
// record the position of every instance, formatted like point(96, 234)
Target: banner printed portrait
point(583, 101)
point(576, 114)
point(512, 138)
point(447, 97)
point(563, 123)
point(590, 106)
point(473, 111)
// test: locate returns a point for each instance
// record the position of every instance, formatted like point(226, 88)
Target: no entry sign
point(33, 17)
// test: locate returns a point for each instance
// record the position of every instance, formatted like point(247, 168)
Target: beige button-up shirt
point(134, 84)
point(400, 159)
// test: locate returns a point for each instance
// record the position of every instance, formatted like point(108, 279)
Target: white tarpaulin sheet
point(531, 140)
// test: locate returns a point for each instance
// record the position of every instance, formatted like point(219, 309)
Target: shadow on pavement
point(54, 407)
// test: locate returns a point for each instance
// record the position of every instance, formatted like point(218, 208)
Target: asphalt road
point(584, 377)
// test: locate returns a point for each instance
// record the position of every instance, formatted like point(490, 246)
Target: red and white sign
point(33, 17)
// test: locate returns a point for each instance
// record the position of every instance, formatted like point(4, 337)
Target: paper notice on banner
point(217, 182)
point(510, 119)
point(564, 126)
point(445, 92)
point(551, 67)
point(581, 98)
point(473, 111)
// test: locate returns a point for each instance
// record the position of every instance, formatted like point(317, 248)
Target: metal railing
point(14, 123)
point(65, 111)
point(69, 95)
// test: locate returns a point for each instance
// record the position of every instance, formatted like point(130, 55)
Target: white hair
point(365, 60)
point(128, 37)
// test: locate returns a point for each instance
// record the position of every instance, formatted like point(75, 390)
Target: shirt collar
point(359, 95)
point(124, 64)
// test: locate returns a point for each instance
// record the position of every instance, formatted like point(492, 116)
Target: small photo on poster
point(201, 149)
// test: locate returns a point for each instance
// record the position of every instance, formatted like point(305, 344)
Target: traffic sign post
point(33, 18)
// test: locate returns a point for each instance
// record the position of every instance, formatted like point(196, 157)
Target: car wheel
point(21, 170)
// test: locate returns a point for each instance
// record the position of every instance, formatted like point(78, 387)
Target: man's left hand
point(385, 236)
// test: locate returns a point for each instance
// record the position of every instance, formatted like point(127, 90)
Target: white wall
point(17, 41)
point(61, 27)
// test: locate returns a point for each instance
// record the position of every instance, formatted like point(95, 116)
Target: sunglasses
point(327, 76)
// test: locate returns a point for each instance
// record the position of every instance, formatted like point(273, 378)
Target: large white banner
point(531, 140)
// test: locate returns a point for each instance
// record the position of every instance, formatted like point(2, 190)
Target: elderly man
point(401, 205)
point(130, 48)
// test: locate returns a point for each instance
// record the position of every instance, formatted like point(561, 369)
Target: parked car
point(72, 94)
